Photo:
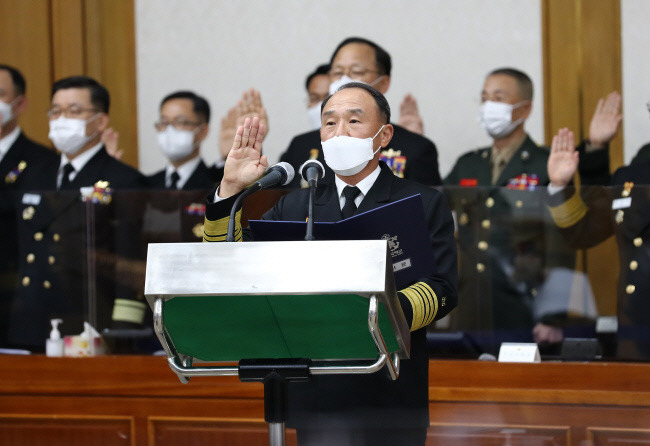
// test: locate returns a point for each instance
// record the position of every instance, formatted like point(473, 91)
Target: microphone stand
point(230, 237)
point(309, 236)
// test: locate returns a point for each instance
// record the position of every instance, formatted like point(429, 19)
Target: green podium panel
point(320, 327)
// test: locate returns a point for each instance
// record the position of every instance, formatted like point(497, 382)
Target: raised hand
point(245, 163)
point(110, 139)
point(563, 160)
point(409, 116)
point(227, 132)
point(605, 121)
point(249, 106)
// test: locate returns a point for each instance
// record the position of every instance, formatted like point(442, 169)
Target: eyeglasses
point(352, 73)
point(73, 111)
point(180, 124)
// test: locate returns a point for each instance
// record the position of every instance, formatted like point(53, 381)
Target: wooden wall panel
point(67, 38)
point(65, 430)
point(204, 431)
point(110, 58)
point(561, 66)
point(28, 48)
point(511, 435)
point(619, 437)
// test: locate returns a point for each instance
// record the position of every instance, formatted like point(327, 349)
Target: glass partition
point(521, 277)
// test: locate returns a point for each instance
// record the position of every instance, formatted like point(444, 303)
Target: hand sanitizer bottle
point(54, 345)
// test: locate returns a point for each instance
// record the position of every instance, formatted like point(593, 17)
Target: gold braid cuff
point(127, 310)
point(217, 230)
point(424, 303)
point(570, 212)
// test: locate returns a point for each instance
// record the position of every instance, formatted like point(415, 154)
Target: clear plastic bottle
point(54, 345)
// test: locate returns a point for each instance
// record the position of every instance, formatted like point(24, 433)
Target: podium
point(276, 312)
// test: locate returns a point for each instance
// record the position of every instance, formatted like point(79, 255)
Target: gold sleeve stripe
point(430, 299)
point(424, 303)
point(129, 311)
point(216, 231)
point(433, 300)
point(570, 212)
point(413, 298)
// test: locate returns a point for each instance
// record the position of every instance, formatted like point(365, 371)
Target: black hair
point(380, 99)
point(17, 79)
point(382, 58)
point(200, 104)
point(321, 69)
point(98, 93)
point(523, 81)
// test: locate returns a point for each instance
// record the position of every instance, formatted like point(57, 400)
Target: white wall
point(636, 74)
point(441, 51)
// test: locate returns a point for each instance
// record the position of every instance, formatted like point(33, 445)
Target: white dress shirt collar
point(8, 141)
point(363, 185)
point(184, 171)
point(78, 162)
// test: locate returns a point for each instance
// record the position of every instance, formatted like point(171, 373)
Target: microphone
point(279, 174)
point(312, 171)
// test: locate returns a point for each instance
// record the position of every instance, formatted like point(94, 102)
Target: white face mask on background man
point(313, 114)
point(176, 144)
point(496, 118)
point(6, 113)
point(345, 79)
point(347, 155)
point(69, 135)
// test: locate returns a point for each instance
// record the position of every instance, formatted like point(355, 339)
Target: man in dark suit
point(355, 409)
point(409, 155)
point(587, 216)
point(501, 216)
point(182, 127)
point(72, 247)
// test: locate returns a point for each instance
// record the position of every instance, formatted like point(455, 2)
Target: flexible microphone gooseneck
point(278, 174)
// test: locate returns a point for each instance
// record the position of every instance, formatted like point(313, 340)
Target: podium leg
point(276, 407)
point(276, 434)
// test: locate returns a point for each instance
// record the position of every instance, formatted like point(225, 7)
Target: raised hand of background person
point(409, 116)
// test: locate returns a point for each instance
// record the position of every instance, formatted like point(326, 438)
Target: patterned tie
point(175, 177)
point(350, 193)
point(65, 178)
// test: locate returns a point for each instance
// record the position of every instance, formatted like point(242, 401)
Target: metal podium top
point(178, 269)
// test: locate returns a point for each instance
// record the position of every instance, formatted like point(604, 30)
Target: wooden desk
point(137, 400)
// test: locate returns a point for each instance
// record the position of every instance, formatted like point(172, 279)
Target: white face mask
point(176, 144)
point(347, 155)
point(6, 113)
point(496, 118)
point(69, 135)
point(334, 86)
point(313, 114)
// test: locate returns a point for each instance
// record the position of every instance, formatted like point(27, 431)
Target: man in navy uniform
point(355, 409)
point(409, 155)
point(60, 235)
point(17, 154)
point(587, 216)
